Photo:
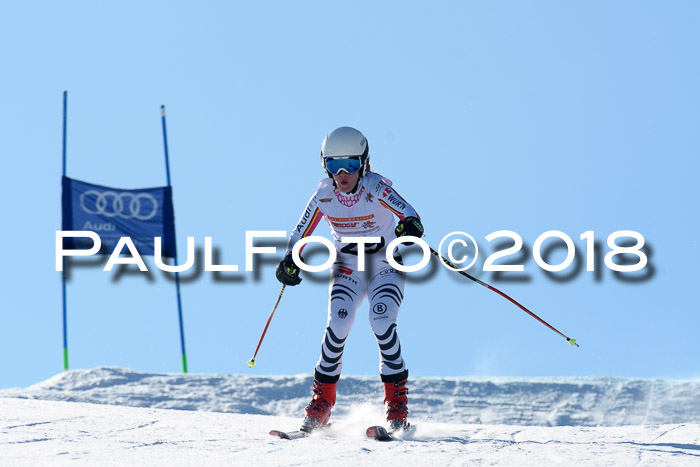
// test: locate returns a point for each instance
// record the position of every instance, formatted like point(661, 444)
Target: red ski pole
point(251, 362)
point(515, 302)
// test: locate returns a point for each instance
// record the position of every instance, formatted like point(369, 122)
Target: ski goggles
point(349, 164)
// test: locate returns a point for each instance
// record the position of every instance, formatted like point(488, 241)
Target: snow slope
point(114, 416)
point(509, 401)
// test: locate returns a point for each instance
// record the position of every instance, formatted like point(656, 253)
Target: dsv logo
point(141, 206)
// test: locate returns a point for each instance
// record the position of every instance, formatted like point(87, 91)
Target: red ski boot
point(318, 412)
point(396, 401)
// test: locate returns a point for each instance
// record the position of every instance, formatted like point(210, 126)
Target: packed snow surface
point(110, 416)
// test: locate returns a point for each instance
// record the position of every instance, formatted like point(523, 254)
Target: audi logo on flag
point(140, 206)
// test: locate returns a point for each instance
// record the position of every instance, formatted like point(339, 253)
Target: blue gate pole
point(63, 272)
point(177, 275)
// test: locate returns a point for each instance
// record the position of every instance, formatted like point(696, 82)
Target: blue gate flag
point(140, 214)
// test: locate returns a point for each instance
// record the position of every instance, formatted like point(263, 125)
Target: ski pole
point(515, 302)
point(251, 362)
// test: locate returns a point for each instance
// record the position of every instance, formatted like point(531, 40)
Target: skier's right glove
point(288, 272)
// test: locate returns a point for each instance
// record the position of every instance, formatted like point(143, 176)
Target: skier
point(356, 202)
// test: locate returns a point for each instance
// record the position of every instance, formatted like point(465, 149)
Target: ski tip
point(296, 434)
point(379, 433)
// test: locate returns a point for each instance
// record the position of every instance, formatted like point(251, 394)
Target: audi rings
point(141, 206)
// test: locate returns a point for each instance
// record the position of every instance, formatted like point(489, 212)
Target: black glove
point(288, 272)
point(410, 226)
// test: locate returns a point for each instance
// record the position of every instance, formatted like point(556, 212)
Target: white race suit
point(366, 212)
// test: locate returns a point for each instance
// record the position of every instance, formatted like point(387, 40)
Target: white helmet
point(346, 142)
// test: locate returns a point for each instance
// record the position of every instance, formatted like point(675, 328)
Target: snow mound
point(590, 401)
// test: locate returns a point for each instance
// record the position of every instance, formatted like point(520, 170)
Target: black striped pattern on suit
point(387, 342)
point(388, 291)
point(332, 344)
point(341, 291)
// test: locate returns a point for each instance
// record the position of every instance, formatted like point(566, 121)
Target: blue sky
point(521, 116)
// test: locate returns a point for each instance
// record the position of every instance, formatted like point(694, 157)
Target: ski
point(380, 433)
point(290, 434)
point(296, 434)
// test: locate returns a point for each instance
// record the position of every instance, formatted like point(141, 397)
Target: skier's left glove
point(409, 226)
point(288, 272)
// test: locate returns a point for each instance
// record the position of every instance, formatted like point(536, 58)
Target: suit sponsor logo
point(349, 219)
point(304, 219)
point(388, 272)
point(347, 225)
point(352, 222)
point(343, 276)
point(398, 202)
